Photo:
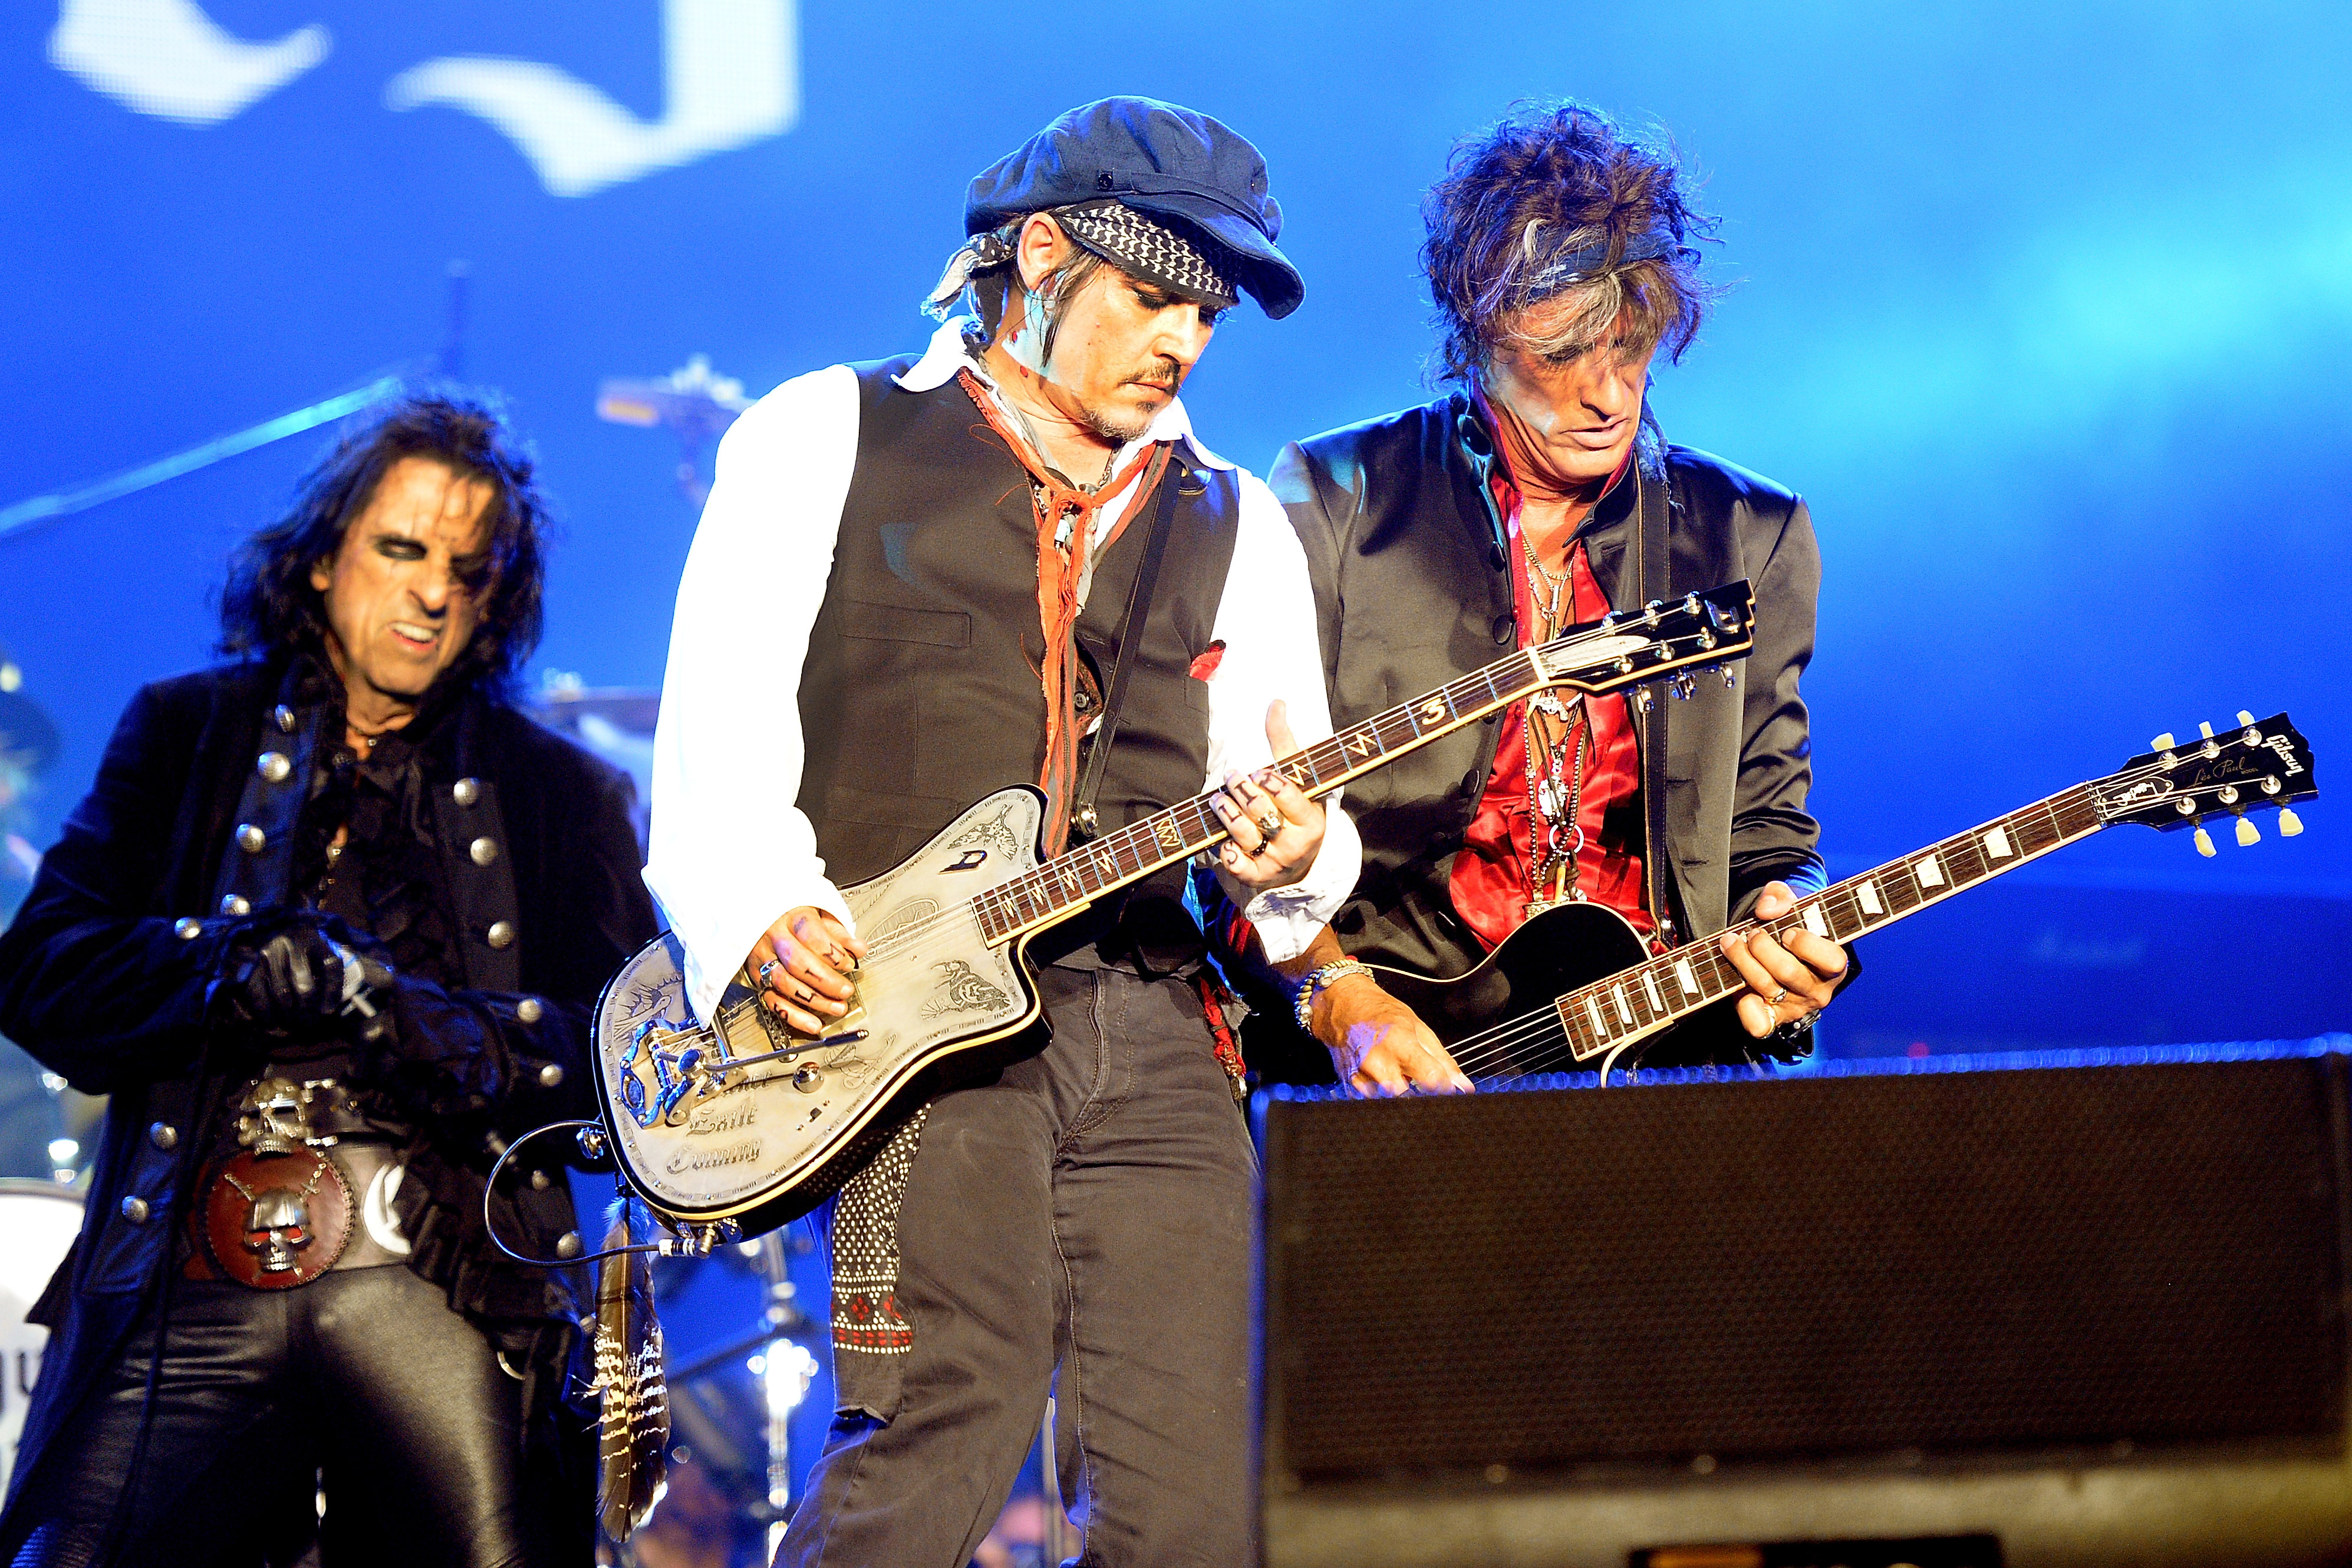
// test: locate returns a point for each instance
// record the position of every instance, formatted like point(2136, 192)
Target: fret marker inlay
point(1814, 922)
point(1683, 972)
point(1657, 1003)
point(1599, 1029)
point(1868, 895)
point(1930, 874)
point(1996, 843)
point(1625, 1011)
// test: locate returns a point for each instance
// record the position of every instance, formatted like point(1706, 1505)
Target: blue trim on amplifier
point(2336, 1045)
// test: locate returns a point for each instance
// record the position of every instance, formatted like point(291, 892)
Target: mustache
point(1165, 376)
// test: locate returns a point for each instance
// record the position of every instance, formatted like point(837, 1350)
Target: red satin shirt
point(1490, 881)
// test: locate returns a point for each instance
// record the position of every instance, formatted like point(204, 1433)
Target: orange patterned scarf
point(1061, 567)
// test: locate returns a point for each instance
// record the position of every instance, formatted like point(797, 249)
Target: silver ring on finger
point(1268, 826)
point(1779, 997)
point(767, 969)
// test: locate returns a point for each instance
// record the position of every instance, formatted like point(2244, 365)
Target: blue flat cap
point(1159, 159)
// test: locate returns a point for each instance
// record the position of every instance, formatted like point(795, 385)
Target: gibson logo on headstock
point(2286, 751)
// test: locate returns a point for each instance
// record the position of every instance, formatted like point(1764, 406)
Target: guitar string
point(899, 939)
point(1491, 1047)
point(902, 937)
point(1497, 1045)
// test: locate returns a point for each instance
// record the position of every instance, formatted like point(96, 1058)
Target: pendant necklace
point(1556, 834)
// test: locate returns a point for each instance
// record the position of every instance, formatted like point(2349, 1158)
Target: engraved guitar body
point(932, 987)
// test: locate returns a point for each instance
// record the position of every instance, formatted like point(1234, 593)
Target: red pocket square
point(1206, 665)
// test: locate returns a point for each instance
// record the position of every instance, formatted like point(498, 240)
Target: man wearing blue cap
point(911, 583)
point(1538, 494)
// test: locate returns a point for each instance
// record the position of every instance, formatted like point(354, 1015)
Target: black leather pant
point(364, 1381)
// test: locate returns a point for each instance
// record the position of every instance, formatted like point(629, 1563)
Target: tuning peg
point(2289, 822)
point(1682, 685)
point(1645, 698)
point(2163, 742)
point(2205, 843)
point(2205, 730)
point(2244, 717)
point(2248, 833)
point(1730, 680)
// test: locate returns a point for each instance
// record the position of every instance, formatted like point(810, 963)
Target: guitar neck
point(1074, 880)
point(1641, 1001)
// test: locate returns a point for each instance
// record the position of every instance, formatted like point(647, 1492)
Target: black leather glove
point(305, 973)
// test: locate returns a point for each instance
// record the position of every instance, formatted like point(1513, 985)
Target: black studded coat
point(107, 976)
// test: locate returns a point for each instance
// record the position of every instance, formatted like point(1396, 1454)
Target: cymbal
point(28, 737)
point(630, 708)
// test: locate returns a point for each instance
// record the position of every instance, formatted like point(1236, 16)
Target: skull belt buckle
point(277, 1214)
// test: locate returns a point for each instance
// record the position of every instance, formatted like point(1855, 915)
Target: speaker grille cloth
point(1954, 1261)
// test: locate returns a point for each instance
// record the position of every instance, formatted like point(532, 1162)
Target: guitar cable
point(667, 1246)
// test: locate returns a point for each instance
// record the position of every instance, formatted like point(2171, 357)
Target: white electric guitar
point(736, 1119)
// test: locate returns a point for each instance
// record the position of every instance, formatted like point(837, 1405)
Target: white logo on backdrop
point(167, 58)
point(730, 70)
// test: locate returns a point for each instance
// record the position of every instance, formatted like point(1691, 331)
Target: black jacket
point(1412, 588)
point(105, 977)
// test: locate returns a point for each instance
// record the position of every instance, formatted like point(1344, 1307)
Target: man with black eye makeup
point(328, 929)
point(1538, 494)
point(909, 576)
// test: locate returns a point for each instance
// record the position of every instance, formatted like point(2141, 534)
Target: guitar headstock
point(1663, 637)
point(2261, 762)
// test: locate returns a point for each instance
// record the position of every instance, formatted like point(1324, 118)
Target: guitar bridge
point(665, 1064)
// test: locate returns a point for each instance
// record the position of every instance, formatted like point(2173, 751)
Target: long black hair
point(268, 605)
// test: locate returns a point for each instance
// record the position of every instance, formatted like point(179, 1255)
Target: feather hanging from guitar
point(1576, 989)
point(633, 1423)
point(735, 1118)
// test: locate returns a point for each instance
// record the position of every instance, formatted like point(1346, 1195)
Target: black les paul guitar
point(1576, 988)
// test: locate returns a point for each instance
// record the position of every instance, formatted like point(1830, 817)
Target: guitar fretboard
point(1641, 1001)
point(1077, 878)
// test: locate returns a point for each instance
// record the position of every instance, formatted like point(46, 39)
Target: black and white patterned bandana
point(1142, 247)
point(1128, 239)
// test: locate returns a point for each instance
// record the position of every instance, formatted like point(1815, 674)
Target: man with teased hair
point(903, 596)
point(1560, 255)
point(328, 929)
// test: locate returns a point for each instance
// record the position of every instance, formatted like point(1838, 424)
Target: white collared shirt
point(730, 851)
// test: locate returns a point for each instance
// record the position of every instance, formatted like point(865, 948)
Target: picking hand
point(1786, 983)
point(1274, 830)
point(1378, 1047)
point(802, 963)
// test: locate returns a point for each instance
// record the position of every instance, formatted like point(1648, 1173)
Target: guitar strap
point(1653, 500)
point(1083, 818)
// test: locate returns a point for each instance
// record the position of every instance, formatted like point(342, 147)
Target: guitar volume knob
point(808, 1079)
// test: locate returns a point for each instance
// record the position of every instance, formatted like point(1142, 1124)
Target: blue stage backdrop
point(2043, 306)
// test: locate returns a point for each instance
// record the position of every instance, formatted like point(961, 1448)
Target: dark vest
point(920, 693)
point(1412, 588)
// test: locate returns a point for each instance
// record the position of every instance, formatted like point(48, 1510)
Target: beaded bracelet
point(1303, 999)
